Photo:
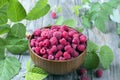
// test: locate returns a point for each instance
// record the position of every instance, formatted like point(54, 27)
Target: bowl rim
point(48, 59)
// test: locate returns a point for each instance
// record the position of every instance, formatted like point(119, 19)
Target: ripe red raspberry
point(37, 50)
point(58, 54)
point(60, 47)
point(46, 43)
point(53, 41)
point(49, 52)
point(40, 39)
point(61, 58)
point(65, 34)
point(76, 35)
point(41, 44)
point(50, 34)
point(33, 48)
point(32, 42)
point(83, 38)
point(43, 51)
point(99, 73)
point(69, 39)
point(37, 44)
point(45, 56)
point(65, 28)
point(74, 53)
point(50, 57)
point(81, 47)
point(66, 55)
point(74, 46)
point(63, 41)
point(54, 48)
point(53, 15)
point(37, 32)
point(82, 71)
point(71, 33)
point(44, 34)
point(67, 47)
point(57, 34)
point(75, 40)
point(83, 77)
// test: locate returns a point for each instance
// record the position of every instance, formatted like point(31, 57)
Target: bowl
point(55, 66)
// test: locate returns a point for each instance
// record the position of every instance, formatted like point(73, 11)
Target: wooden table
point(110, 39)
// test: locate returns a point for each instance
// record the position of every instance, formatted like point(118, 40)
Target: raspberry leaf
point(91, 61)
point(36, 74)
point(40, 9)
point(3, 14)
point(9, 67)
point(2, 48)
point(18, 31)
point(106, 56)
point(16, 11)
point(17, 46)
point(91, 46)
point(70, 22)
point(86, 22)
point(3, 2)
point(4, 28)
point(59, 20)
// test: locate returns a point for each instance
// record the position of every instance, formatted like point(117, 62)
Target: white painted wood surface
point(110, 39)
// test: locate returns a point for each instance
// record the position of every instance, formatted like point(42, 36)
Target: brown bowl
point(55, 66)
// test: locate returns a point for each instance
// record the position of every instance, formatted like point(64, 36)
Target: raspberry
point(65, 34)
point(43, 51)
point(50, 57)
point(81, 47)
point(54, 48)
point(83, 38)
point(41, 44)
point(57, 34)
point(53, 15)
point(37, 44)
point(65, 28)
point(82, 71)
point(37, 50)
point(45, 56)
point(69, 39)
point(60, 47)
point(63, 41)
point(76, 35)
point(33, 48)
point(75, 40)
point(83, 77)
point(58, 54)
point(53, 41)
point(46, 43)
point(67, 47)
point(74, 46)
point(99, 73)
point(61, 58)
point(32, 42)
point(37, 32)
point(66, 55)
point(50, 34)
point(44, 34)
point(49, 52)
point(40, 39)
point(75, 53)
point(71, 33)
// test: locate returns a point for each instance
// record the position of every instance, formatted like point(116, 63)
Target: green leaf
point(106, 56)
point(41, 8)
point(4, 28)
point(76, 10)
point(79, 29)
point(91, 61)
point(59, 21)
point(100, 23)
point(9, 67)
point(16, 11)
point(91, 46)
point(95, 7)
point(36, 74)
point(18, 31)
point(85, 1)
point(28, 65)
point(2, 48)
point(3, 14)
point(86, 22)
point(115, 16)
point(118, 29)
point(17, 46)
point(70, 23)
point(59, 9)
point(3, 2)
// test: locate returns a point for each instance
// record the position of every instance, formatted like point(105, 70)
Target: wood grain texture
point(110, 39)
